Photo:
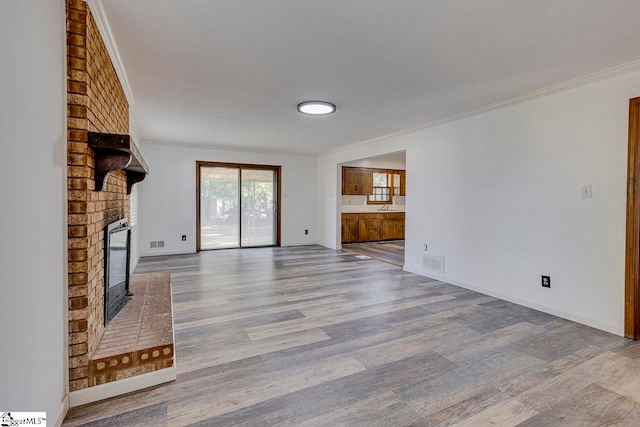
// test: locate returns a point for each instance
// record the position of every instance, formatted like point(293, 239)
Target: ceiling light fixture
point(316, 108)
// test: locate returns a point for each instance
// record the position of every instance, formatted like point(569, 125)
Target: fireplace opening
point(117, 243)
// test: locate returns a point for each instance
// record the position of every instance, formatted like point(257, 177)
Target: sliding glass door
point(237, 205)
point(258, 207)
point(219, 196)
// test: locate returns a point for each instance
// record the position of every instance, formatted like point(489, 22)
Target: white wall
point(167, 197)
point(378, 162)
point(498, 194)
point(33, 209)
point(134, 204)
point(135, 235)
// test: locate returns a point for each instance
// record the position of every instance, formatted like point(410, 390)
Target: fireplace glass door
point(238, 206)
point(117, 257)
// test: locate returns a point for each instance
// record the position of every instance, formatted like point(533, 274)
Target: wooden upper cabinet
point(366, 181)
point(350, 178)
point(359, 181)
point(403, 180)
point(356, 181)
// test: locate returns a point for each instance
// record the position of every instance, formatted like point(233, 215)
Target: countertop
point(371, 209)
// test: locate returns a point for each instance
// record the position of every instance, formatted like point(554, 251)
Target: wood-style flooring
point(391, 251)
point(309, 336)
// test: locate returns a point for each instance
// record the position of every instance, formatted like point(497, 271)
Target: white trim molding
point(62, 411)
point(100, 16)
point(154, 252)
point(117, 388)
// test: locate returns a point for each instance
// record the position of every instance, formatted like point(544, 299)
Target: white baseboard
point(613, 329)
point(286, 245)
point(116, 388)
point(162, 253)
point(62, 412)
point(335, 248)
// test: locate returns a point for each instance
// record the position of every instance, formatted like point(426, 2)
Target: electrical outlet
point(306, 231)
point(184, 237)
point(546, 281)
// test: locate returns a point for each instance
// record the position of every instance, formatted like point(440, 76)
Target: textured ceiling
point(231, 72)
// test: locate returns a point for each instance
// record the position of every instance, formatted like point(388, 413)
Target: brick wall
point(96, 102)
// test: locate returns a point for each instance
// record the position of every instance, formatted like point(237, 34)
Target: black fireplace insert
point(117, 243)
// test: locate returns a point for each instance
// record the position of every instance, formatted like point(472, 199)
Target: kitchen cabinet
point(365, 178)
point(357, 181)
point(350, 228)
point(371, 227)
point(392, 229)
point(350, 182)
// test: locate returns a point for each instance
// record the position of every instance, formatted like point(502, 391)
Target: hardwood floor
point(308, 336)
point(391, 251)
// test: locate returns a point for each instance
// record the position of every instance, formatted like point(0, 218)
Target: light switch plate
point(586, 191)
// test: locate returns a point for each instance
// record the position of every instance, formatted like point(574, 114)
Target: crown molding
point(627, 67)
point(227, 148)
point(100, 16)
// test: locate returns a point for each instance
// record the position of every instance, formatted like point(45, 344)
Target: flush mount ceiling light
point(316, 108)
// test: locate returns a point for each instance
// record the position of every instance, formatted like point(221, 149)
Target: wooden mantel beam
point(116, 152)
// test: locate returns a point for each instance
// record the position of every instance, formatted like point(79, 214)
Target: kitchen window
point(382, 185)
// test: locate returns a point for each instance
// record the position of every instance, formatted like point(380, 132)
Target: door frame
point(632, 250)
point(276, 169)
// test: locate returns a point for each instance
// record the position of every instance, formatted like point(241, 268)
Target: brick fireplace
point(96, 102)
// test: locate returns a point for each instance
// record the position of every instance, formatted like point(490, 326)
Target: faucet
point(385, 208)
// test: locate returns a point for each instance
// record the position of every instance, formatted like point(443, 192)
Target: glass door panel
point(258, 207)
point(219, 196)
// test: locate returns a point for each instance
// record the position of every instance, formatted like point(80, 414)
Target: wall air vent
point(433, 263)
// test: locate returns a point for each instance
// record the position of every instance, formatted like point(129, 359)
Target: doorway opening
point(372, 207)
point(237, 205)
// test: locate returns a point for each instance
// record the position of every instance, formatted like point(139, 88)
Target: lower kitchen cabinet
point(369, 230)
point(350, 230)
point(371, 227)
point(392, 229)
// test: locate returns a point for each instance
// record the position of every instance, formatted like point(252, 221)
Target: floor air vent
point(433, 262)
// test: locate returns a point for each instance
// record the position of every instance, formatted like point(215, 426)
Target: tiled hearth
point(140, 338)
